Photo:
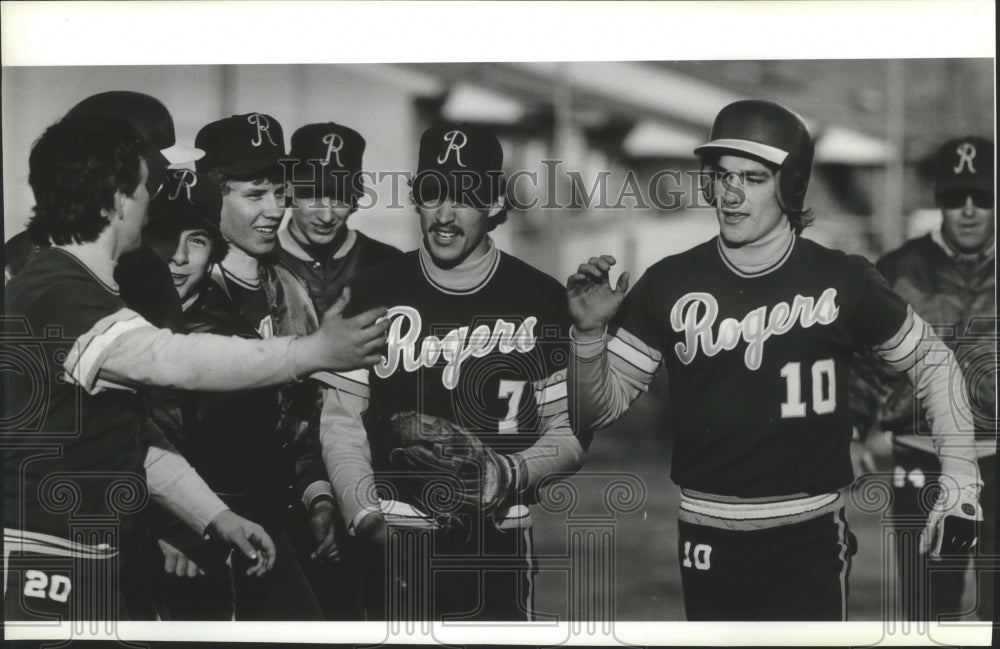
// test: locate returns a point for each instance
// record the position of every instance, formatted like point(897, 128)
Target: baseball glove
point(454, 471)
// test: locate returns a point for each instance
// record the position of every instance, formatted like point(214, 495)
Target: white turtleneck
point(761, 255)
point(468, 275)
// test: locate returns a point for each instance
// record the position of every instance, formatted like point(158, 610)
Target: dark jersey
point(758, 364)
point(252, 304)
point(71, 454)
point(491, 359)
point(958, 298)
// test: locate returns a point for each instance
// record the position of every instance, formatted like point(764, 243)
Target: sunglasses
point(955, 198)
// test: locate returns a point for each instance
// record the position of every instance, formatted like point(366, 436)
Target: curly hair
point(75, 169)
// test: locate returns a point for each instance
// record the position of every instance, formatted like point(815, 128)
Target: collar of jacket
point(938, 238)
point(294, 248)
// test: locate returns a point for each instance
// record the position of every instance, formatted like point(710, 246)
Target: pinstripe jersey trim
point(732, 513)
point(15, 540)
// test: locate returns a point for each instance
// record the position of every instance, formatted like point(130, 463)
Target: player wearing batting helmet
point(756, 329)
point(949, 277)
point(447, 439)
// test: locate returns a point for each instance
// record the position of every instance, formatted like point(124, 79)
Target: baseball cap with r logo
point(241, 146)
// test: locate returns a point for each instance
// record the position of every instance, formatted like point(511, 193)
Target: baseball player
point(242, 154)
point(315, 243)
point(142, 278)
point(756, 328)
point(949, 278)
point(230, 437)
point(475, 363)
point(81, 454)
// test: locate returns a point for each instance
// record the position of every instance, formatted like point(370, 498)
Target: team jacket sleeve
point(608, 374)
point(937, 379)
point(123, 350)
point(344, 442)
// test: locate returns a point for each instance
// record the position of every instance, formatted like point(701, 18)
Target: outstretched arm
point(123, 349)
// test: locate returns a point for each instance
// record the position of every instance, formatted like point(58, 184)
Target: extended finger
point(369, 360)
point(182, 566)
point(376, 331)
point(604, 262)
point(372, 346)
point(579, 280)
point(192, 568)
point(593, 272)
point(169, 562)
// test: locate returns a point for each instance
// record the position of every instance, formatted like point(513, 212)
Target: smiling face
point(317, 221)
point(251, 213)
point(190, 261)
point(746, 202)
point(970, 227)
point(452, 231)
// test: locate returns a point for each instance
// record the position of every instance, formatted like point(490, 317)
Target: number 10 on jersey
point(824, 389)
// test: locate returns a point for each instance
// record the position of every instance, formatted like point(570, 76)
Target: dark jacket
point(251, 449)
point(326, 278)
point(957, 297)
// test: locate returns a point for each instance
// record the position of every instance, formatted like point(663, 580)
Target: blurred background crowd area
point(602, 151)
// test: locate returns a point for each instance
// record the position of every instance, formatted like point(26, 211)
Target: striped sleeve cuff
point(85, 359)
point(317, 489)
point(354, 382)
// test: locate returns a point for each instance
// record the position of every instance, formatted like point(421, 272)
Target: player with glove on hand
point(448, 438)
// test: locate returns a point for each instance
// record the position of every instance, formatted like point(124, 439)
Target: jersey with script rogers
point(757, 364)
point(481, 358)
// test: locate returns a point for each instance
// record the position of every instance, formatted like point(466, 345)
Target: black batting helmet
point(769, 132)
